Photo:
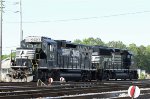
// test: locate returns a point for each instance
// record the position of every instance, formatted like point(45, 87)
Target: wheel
point(106, 76)
point(131, 76)
point(89, 76)
point(83, 78)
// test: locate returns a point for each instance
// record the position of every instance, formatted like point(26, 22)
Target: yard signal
point(134, 91)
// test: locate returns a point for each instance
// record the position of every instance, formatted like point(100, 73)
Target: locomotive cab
point(126, 58)
point(35, 54)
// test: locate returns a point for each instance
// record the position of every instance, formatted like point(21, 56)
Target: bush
point(142, 76)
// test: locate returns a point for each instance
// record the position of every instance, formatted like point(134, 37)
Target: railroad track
point(82, 90)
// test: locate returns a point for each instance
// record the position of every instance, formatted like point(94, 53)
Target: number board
point(33, 39)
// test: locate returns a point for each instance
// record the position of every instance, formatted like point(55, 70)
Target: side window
point(29, 46)
point(50, 48)
point(44, 47)
point(129, 56)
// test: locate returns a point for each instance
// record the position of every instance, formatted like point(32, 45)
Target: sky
point(111, 20)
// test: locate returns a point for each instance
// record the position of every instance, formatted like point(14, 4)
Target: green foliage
point(13, 55)
point(141, 56)
point(90, 41)
point(116, 44)
point(77, 41)
point(4, 56)
point(10, 55)
point(142, 76)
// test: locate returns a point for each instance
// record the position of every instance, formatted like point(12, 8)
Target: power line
point(85, 18)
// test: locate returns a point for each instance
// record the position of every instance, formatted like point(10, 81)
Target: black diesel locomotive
point(44, 57)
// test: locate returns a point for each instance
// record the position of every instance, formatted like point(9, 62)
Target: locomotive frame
point(46, 58)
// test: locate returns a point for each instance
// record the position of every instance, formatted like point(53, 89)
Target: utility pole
point(21, 31)
point(1, 19)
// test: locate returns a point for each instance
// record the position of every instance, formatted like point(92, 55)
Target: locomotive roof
point(63, 41)
point(70, 43)
point(49, 40)
point(104, 48)
point(117, 50)
point(126, 51)
point(111, 49)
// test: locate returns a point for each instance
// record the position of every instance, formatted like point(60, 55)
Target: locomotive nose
point(25, 53)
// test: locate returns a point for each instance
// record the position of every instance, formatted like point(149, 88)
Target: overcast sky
point(111, 20)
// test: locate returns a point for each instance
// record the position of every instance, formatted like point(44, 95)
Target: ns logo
point(22, 52)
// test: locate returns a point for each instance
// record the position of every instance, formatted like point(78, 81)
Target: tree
point(4, 56)
point(99, 41)
point(116, 44)
point(77, 41)
point(10, 55)
point(141, 56)
point(132, 47)
point(90, 41)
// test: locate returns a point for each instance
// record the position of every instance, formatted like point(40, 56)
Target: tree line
point(141, 54)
